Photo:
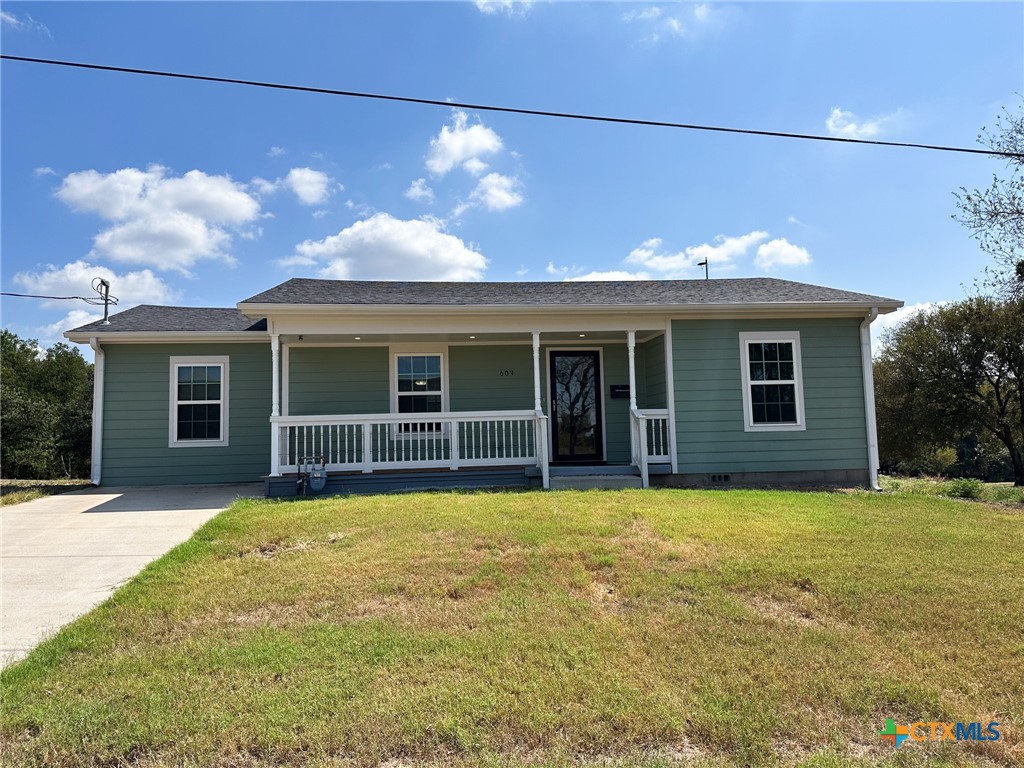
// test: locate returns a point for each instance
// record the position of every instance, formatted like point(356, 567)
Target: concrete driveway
point(63, 555)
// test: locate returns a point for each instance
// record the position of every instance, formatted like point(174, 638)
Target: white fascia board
point(168, 337)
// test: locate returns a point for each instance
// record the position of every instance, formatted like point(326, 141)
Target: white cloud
point(164, 222)
point(263, 187)
point(475, 166)
point(320, 214)
point(722, 253)
point(496, 192)
point(684, 21)
point(795, 220)
point(23, 23)
point(523, 270)
point(508, 7)
point(73, 319)
point(615, 274)
point(419, 191)
point(44, 171)
point(847, 125)
point(362, 210)
point(75, 279)
point(275, 151)
point(385, 248)
point(311, 187)
point(644, 14)
point(781, 253)
point(551, 269)
point(460, 143)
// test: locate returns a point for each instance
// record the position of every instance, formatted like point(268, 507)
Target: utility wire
point(97, 301)
point(62, 298)
point(513, 110)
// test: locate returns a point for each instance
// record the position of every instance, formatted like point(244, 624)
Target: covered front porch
point(386, 411)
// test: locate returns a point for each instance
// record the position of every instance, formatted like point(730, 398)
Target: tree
point(995, 215)
point(45, 409)
point(952, 373)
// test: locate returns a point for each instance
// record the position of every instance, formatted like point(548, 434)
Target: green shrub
point(964, 488)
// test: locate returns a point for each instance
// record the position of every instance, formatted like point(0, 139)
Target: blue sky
point(203, 194)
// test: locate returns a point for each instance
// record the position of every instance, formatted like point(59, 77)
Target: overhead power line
point(102, 297)
point(510, 110)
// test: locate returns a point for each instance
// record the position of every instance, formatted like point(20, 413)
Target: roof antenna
point(705, 265)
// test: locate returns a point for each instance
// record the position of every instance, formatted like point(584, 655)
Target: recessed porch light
point(472, 337)
point(358, 338)
point(583, 335)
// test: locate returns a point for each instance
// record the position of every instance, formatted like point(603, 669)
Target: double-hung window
point(199, 402)
point(419, 388)
point(772, 381)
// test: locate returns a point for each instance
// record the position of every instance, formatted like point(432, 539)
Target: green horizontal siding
point(338, 380)
point(136, 415)
point(651, 362)
point(491, 377)
point(710, 432)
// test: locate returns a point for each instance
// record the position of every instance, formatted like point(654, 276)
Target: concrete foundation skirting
point(817, 478)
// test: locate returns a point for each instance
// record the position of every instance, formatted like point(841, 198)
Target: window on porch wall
point(419, 389)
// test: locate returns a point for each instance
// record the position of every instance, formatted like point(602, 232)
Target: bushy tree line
point(949, 388)
point(45, 410)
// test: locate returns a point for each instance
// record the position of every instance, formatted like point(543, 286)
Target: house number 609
point(507, 372)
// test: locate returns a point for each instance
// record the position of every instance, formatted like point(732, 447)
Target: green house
point(395, 385)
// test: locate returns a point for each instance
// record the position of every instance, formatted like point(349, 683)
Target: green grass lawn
point(560, 628)
point(18, 491)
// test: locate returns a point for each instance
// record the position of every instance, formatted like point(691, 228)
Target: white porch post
point(536, 371)
point(275, 404)
point(541, 432)
point(631, 349)
point(637, 436)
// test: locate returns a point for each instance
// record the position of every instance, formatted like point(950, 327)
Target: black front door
point(576, 407)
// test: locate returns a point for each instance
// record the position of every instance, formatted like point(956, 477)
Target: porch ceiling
point(555, 337)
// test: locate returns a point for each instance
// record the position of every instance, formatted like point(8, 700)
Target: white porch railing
point(657, 435)
point(648, 434)
point(366, 443)
point(411, 441)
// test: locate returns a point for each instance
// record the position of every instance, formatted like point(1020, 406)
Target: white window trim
point(754, 337)
point(405, 350)
point(172, 433)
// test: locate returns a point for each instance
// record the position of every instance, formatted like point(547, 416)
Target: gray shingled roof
point(753, 290)
point(148, 317)
point(740, 291)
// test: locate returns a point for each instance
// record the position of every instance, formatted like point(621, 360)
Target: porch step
point(608, 482)
point(587, 470)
